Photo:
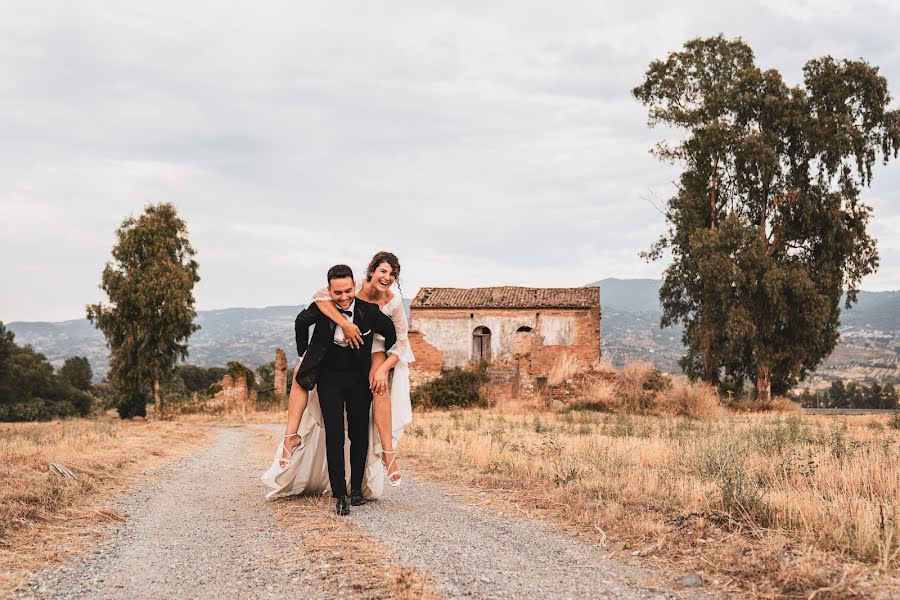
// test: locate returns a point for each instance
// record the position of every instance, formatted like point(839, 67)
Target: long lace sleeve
point(398, 315)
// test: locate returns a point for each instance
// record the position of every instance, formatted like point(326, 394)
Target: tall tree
point(767, 228)
point(151, 311)
point(7, 347)
point(76, 371)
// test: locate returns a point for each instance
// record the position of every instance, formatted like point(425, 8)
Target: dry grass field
point(765, 505)
point(45, 517)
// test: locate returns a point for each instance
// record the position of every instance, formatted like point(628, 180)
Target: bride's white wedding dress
point(307, 471)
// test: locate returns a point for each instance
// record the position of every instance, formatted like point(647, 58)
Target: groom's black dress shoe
point(342, 506)
point(356, 498)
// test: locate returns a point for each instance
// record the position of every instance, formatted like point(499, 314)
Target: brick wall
point(585, 344)
point(429, 360)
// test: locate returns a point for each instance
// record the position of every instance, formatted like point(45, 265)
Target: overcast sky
point(483, 142)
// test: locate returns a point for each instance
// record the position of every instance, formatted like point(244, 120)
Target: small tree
point(151, 312)
point(888, 397)
point(837, 394)
point(76, 371)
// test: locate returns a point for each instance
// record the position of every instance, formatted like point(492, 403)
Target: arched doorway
point(481, 345)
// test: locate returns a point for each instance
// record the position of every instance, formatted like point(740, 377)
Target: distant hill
point(870, 332)
point(632, 295)
point(249, 335)
point(629, 328)
point(875, 310)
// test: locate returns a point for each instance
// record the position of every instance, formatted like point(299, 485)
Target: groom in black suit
point(342, 375)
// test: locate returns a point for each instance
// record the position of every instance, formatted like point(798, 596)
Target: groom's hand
point(352, 334)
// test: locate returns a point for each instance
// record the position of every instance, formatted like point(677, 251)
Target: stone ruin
point(235, 392)
point(518, 332)
point(280, 373)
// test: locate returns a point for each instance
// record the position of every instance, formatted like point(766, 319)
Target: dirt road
point(201, 528)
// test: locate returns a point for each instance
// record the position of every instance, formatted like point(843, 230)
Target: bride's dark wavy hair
point(384, 257)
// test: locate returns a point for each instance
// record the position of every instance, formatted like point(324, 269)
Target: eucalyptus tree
point(151, 312)
point(767, 229)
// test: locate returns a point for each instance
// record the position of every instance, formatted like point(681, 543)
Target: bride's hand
point(352, 334)
point(378, 381)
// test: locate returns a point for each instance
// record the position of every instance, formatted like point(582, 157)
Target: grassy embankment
point(775, 505)
point(45, 517)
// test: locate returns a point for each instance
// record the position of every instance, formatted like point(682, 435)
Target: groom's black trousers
point(340, 389)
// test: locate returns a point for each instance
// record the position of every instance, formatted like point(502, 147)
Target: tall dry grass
point(635, 395)
point(639, 388)
point(44, 516)
point(564, 368)
point(731, 497)
point(689, 400)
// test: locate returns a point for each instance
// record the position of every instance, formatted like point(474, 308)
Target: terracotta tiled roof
point(507, 297)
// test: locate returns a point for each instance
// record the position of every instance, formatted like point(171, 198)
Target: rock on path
point(205, 531)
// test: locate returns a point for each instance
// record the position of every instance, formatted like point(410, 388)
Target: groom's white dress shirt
point(338, 332)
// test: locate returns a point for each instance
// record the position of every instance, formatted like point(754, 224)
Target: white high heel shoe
point(283, 461)
point(395, 478)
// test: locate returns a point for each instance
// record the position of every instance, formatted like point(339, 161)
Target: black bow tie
point(349, 313)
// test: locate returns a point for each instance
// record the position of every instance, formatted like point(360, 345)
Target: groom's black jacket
point(368, 318)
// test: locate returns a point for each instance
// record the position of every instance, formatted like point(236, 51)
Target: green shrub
point(30, 390)
point(454, 388)
point(82, 402)
point(107, 397)
point(34, 409)
point(133, 405)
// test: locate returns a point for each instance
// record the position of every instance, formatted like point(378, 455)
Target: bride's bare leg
point(296, 405)
point(381, 413)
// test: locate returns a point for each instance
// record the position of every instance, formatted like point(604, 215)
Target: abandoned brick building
point(520, 332)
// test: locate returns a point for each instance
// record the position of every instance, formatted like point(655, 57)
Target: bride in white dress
point(299, 466)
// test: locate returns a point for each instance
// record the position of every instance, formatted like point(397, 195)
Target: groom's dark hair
point(339, 272)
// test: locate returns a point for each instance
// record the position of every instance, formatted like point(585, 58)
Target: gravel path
point(481, 553)
point(204, 530)
point(473, 552)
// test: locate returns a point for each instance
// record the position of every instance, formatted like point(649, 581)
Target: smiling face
point(342, 290)
point(383, 277)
